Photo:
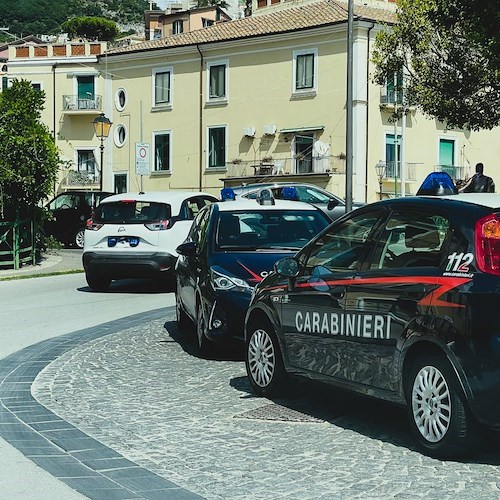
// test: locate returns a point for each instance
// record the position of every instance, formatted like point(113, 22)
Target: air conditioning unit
point(249, 131)
point(269, 129)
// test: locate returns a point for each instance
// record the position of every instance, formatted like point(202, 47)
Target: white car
point(135, 235)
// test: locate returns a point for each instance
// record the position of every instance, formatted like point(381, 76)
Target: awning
point(301, 129)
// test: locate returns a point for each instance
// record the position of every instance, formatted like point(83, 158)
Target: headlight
point(224, 282)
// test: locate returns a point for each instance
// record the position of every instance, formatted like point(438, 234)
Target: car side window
point(198, 228)
point(342, 246)
point(192, 206)
point(65, 201)
point(411, 240)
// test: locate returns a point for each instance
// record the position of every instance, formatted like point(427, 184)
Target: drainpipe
point(367, 108)
point(200, 118)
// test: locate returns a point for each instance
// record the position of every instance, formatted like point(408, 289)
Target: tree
point(449, 51)
point(91, 28)
point(29, 159)
point(212, 3)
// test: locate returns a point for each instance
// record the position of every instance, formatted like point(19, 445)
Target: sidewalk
point(52, 261)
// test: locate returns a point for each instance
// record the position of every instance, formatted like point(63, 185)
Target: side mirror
point(188, 249)
point(287, 267)
point(332, 203)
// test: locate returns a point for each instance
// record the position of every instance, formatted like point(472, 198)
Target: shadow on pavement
point(135, 286)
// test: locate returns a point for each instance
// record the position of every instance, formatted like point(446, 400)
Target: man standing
point(479, 183)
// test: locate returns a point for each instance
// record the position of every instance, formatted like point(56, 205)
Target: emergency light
point(289, 193)
point(437, 184)
point(227, 194)
point(265, 197)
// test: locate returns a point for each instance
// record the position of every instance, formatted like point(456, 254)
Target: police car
point(396, 300)
point(232, 246)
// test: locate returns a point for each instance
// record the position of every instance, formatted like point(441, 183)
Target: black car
point(68, 215)
point(332, 205)
point(232, 245)
point(397, 300)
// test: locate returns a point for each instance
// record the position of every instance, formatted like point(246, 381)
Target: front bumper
point(226, 315)
point(120, 266)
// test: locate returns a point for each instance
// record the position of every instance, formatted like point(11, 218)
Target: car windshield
point(131, 212)
point(306, 194)
point(268, 229)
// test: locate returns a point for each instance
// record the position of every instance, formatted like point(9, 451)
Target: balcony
point(455, 172)
point(296, 167)
point(393, 171)
point(80, 179)
point(74, 104)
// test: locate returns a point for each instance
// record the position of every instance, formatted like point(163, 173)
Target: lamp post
point(380, 168)
point(102, 125)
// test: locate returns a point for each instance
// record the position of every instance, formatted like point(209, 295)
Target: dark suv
point(69, 212)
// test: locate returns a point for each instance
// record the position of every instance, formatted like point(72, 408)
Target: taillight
point(92, 226)
point(159, 225)
point(488, 244)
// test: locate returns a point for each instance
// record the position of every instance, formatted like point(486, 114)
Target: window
point(120, 99)
point(305, 71)
point(36, 85)
point(162, 151)
point(341, 248)
point(157, 34)
point(86, 92)
point(162, 81)
point(177, 27)
point(447, 157)
point(120, 183)
point(86, 161)
point(206, 22)
point(216, 147)
point(393, 149)
point(411, 240)
point(217, 73)
point(120, 135)
point(393, 92)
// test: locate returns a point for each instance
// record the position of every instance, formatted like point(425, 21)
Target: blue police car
point(396, 300)
point(232, 246)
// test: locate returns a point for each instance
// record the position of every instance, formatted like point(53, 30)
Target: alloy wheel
point(261, 358)
point(431, 404)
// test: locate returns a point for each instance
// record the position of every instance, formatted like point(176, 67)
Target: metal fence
point(17, 243)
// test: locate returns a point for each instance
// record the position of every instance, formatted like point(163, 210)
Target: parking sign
point(141, 158)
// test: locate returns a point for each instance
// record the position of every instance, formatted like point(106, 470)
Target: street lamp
point(380, 168)
point(102, 125)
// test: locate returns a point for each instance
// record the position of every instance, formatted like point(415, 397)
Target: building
point(250, 99)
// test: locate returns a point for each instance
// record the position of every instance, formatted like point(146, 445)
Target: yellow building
point(248, 100)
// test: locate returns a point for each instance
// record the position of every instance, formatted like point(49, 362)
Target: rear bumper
point(129, 266)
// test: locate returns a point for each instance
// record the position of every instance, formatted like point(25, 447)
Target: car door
point(65, 216)
point(314, 310)
point(393, 292)
point(190, 267)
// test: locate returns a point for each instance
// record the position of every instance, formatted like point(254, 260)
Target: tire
point(204, 344)
point(264, 361)
point(80, 237)
point(439, 416)
point(183, 321)
point(97, 283)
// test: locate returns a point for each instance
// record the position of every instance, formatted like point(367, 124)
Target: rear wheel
point(439, 416)
point(263, 360)
point(79, 238)
point(97, 283)
point(204, 344)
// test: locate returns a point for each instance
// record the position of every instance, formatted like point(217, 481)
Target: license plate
point(131, 241)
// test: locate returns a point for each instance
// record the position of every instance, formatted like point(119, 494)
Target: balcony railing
point(80, 178)
point(78, 103)
point(456, 172)
point(327, 164)
point(393, 171)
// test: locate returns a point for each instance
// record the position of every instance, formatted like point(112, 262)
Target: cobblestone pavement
point(144, 393)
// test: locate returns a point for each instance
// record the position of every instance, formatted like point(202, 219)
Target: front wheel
point(97, 283)
point(439, 416)
point(263, 360)
point(80, 238)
